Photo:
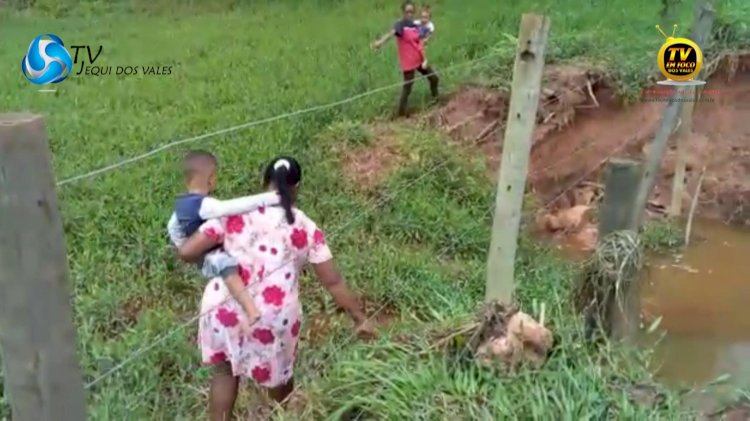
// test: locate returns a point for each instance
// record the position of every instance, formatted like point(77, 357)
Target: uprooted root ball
point(503, 337)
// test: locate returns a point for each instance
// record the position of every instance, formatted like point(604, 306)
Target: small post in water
point(524, 102)
point(620, 191)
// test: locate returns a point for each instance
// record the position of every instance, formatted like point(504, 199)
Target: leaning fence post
point(701, 31)
point(37, 336)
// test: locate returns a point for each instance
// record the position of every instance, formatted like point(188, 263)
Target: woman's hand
point(246, 328)
point(380, 41)
point(195, 246)
point(331, 279)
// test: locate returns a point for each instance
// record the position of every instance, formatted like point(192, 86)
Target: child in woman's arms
point(194, 207)
point(426, 28)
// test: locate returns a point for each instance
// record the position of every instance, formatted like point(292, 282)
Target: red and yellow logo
point(680, 59)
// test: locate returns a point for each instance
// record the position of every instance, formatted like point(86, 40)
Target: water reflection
point(703, 298)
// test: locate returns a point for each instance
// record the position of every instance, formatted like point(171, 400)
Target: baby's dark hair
point(426, 8)
point(284, 172)
point(196, 161)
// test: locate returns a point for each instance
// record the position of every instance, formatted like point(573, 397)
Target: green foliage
point(421, 250)
point(395, 379)
point(349, 132)
point(663, 235)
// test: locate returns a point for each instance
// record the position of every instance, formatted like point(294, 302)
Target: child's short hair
point(197, 160)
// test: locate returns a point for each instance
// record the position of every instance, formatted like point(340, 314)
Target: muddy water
point(703, 297)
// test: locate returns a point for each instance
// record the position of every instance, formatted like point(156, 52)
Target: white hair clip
point(282, 163)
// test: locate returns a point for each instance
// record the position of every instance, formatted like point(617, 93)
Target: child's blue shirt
point(187, 209)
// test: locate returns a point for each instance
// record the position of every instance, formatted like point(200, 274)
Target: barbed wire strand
point(263, 121)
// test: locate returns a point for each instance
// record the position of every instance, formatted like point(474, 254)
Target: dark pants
point(409, 82)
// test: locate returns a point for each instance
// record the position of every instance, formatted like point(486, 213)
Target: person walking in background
point(272, 245)
point(411, 55)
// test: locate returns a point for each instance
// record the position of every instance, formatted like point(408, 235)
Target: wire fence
point(442, 253)
point(261, 122)
point(133, 356)
point(378, 203)
point(619, 148)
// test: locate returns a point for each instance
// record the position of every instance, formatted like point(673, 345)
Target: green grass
point(421, 252)
point(663, 235)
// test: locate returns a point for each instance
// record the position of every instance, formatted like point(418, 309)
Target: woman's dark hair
point(284, 172)
point(405, 4)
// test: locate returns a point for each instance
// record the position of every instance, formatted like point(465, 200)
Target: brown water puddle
point(703, 297)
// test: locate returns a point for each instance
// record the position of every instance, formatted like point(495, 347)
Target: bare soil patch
point(581, 123)
point(369, 165)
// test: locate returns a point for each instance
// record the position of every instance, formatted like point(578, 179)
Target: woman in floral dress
point(272, 245)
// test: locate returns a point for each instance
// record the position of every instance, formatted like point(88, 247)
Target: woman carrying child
point(411, 36)
point(272, 245)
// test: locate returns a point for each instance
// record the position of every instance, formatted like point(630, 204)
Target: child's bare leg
point(237, 289)
point(228, 268)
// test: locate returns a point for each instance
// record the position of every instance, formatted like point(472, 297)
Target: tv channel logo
point(680, 61)
point(46, 61)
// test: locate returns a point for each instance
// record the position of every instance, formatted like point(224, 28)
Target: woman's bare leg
point(279, 393)
point(223, 393)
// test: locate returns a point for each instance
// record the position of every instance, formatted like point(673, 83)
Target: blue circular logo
point(47, 60)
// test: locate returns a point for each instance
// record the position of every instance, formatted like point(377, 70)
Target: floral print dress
point(271, 254)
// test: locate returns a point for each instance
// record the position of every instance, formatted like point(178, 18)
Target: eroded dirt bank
point(581, 123)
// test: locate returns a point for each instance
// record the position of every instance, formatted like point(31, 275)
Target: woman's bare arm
point(380, 41)
point(331, 279)
point(195, 246)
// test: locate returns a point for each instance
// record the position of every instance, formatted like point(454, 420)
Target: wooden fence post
point(621, 189)
point(701, 31)
point(651, 168)
point(524, 102)
point(37, 336)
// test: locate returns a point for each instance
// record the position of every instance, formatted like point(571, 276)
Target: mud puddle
point(702, 297)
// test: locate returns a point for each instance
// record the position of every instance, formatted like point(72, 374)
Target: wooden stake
point(684, 130)
point(705, 17)
point(37, 336)
point(651, 169)
point(616, 214)
point(622, 177)
point(693, 205)
point(524, 102)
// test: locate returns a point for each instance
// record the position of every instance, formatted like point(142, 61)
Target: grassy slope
point(232, 65)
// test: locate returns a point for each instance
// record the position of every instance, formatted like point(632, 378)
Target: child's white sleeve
point(215, 208)
point(431, 27)
point(175, 232)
